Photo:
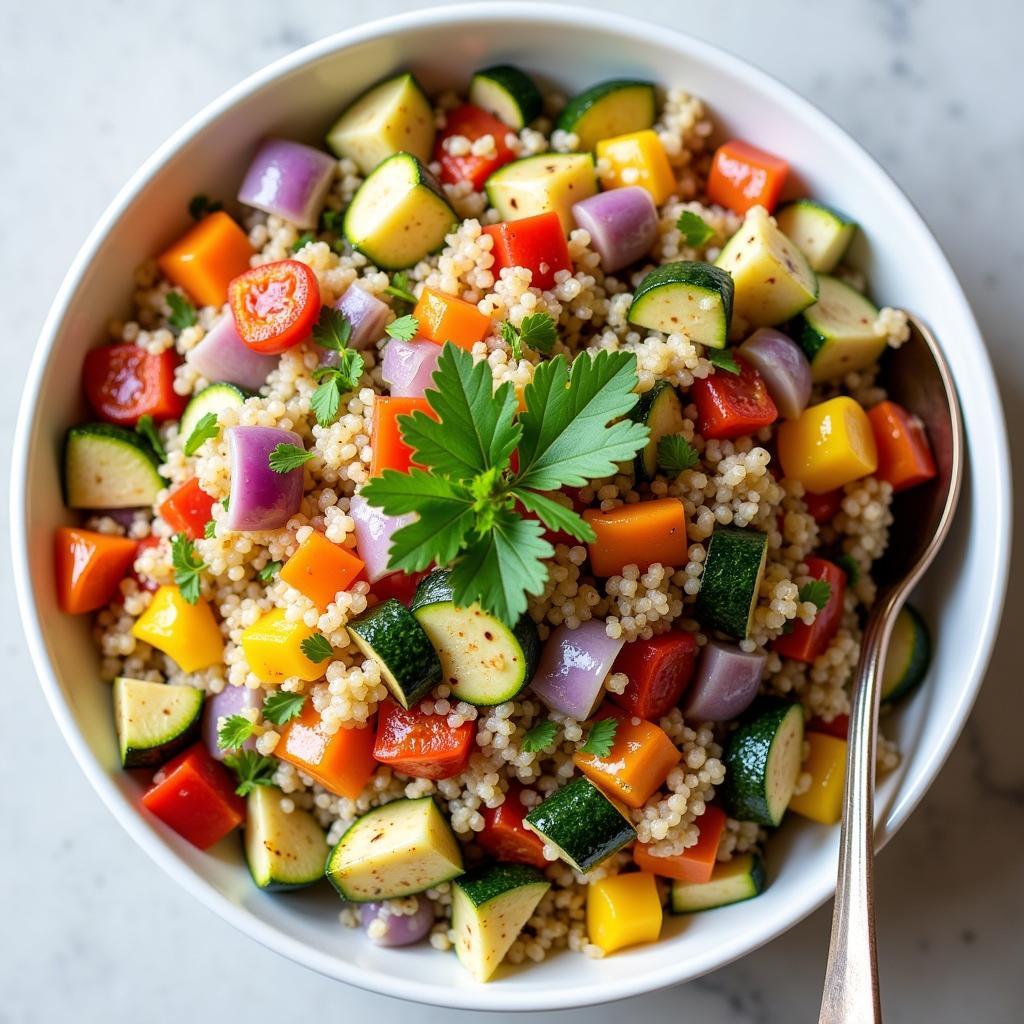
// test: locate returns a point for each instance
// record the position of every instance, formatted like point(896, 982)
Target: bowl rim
point(485, 997)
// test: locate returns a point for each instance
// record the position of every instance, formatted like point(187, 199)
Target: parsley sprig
point(849, 565)
point(540, 737)
point(695, 230)
point(317, 647)
point(470, 501)
point(722, 359)
point(183, 313)
point(676, 454)
point(146, 429)
point(401, 289)
point(269, 571)
point(206, 428)
point(601, 737)
point(404, 328)
point(536, 331)
point(233, 732)
point(281, 706)
point(187, 567)
point(333, 331)
point(817, 592)
point(286, 457)
point(303, 240)
point(252, 770)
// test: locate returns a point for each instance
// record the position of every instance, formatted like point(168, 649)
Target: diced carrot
point(904, 455)
point(423, 746)
point(824, 507)
point(446, 318)
point(639, 761)
point(389, 450)
point(89, 567)
point(319, 569)
point(206, 258)
point(640, 534)
point(537, 243)
point(743, 176)
point(659, 671)
point(695, 863)
point(803, 642)
point(341, 762)
point(504, 835)
point(187, 509)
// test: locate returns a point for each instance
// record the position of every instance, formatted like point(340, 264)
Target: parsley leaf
point(850, 566)
point(332, 383)
point(146, 429)
point(303, 240)
point(332, 329)
point(695, 230)
point(540, 736)
point(331, 220)
point(817, 592)
point(269, 571)
point(511, 337)
point(252, 769)
point(187, 567)
point(206, 428)
point(400, 288)
point(555, 516)
point(316, 647)
point(601, 737)
point(183, 313)
point(200, 205)
point(286, 457)
point(404, 328)
point(210, 529)
point(537, 330)
point(676, 454)
point(281, 706)
point(722, 359)
point(234, 732)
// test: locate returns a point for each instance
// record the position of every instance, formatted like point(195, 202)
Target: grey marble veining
point(92, 931)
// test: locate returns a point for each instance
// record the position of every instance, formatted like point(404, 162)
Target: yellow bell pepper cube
point(188, 633)
point(828, 445)
point(638, 158)
point(623, 911)
point(273, 649)
point(823, 800)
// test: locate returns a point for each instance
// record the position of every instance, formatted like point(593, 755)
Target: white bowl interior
point(572, 48)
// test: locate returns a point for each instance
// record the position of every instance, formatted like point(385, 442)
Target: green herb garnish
point(303, 240)
point(234, 732)
point(281, 706)
point(146, 429)
point(206, 428)
point(187, 567)
point(316, 647)
point(332, 329)
point(210, 529)
point(542, 735)
point(400, 288)
point(269, 571)
point(333, 382)
point(404, 328)
point(601, 737)
point(286, 457)
point(676, 454)
point(331, 220)
point(694, 229)
point(183, 313)
point(252, 769)
point(537, 331)
point(817, 592)
point(850, 566)
point(199, 206)
point(721, 358)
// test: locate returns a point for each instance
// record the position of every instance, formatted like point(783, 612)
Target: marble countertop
point(95, 932)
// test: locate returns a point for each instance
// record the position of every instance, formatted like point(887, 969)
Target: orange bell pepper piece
point(445, 318)
point(206, 258)
point(641, 534)
point(341, 762)
point(389, 450)
point(89, 567)
point(695, 863)
point(743, 176)
point(904, 456)
point(319, 569)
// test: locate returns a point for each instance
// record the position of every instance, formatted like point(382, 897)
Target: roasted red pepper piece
point(504, 835)
point(537, 243)
point(187, 509)
point(124, 382)
point(731, 404)
point(803, 642)
point(659, 670)
point(824, 507)
point(423, 746)
point(473, 123)
point(904, 455)
point(838, 727)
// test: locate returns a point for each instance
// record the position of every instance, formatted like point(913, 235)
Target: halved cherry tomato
point(187, 510)
point(659, 671)
point(275, 306)
point(473, 123)
point(803, 642)
point(423, 746)
point(504, 835)
point(732, 404)
point(124, 382)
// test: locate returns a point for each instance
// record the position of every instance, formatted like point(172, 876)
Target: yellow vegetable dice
point(828, 445)
point(638, 158)
point(623, 911)
point(823, 800)
point(273, 649)
point(188, 633)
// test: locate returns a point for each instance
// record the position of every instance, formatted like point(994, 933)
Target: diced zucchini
point(216, 398)
point(731, 580)
point(402, 848)
point(507, 93)
point(582, 824)
point(536, 184)
point(741, 878)
point(772, 278)
point(489, 908)
point(482, 660)
point(692, 298)
point(837, 333)
point(389, 634)
point(822, 234)
point(762, 761)
point(399, 214)
point(392, 117)
point(283, 850)
point(154, 720)
point(910, 652)
point(109, 467)
point(662, 411)
point(607, 109)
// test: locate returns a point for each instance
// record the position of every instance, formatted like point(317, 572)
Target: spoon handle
point(851, 978)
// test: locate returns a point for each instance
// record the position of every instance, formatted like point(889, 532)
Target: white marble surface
point(91, 930)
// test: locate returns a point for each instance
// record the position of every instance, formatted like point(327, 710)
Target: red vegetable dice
point(732, 404)
point(124, 382)
point(399, 585)
point(743, 176)
point(474, 124)
point(504, 835)
point(904, 455)
point(803, 642)
point(537, 243)
point(838, 727)
point(188, 509)
point(824, 507)
point(423, 746)
point(659, 671)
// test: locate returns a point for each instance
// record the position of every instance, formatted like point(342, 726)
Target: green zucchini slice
point(508, 93)
point(538, 184)
point(741, 878)
point(283, 850)
point(910, 652)
point(154, 720)
point(662, 411)
point(731, 580)
point(608, 109)
point(106, 466)
point(821, 233)
point(215, 398)
point(688, 297)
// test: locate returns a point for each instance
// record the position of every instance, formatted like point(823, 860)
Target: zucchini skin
point(581, 104)
point(920, 659)
point(519, 86)
point(487, 883)
point(645, 462)
point(705, 276)
point(732, 574)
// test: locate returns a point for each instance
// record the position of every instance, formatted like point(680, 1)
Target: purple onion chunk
point(409, 366)
point(373, 532)
point(573, 666)
point(622, 223)
point(223, 356)
point(367, 315)
point(726, 683)
point(385, 928)
point(230, 701)
point(289, 180)
point(783, 367)
point(260, 498)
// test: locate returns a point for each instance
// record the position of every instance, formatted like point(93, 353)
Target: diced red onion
point(289, 180)
point(409, 366)
point(373, 535)
point(223, 356)
point(230, 701)
point(122, 516)
point(727, 682)
point(623, 225)
point(573, 666)
point(399, 929)
point(366, 313)
point(783, 367)
point(260, 498)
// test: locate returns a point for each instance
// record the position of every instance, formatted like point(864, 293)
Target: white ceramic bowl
point(298, 97)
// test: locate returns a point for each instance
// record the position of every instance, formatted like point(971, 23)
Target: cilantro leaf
point(555, 516)
point(676, 454)
point(269, 571)
point(187, 567)
point(252, 769)
point(721, 358)
point(537, 330)
point(331, 220)
point(234, 732)
point(332, 329)
point(183, 313)
point(206, 428)
point(512, 338)
point(404, 328)
point(286, 457)
point(316, 647)
point(601, 737)
point(400, 493)
point(303, 240)
point(400, 288)
point(567, 436)
point(542, 735)
point(281, 706)
point(146, 429)
point(210, 529)
point(817, 592)
point(850, 566)
point(201, 205)
point(333, 382)
point(695, 230)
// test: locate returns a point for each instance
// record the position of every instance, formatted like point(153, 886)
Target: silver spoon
point(917, 376)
